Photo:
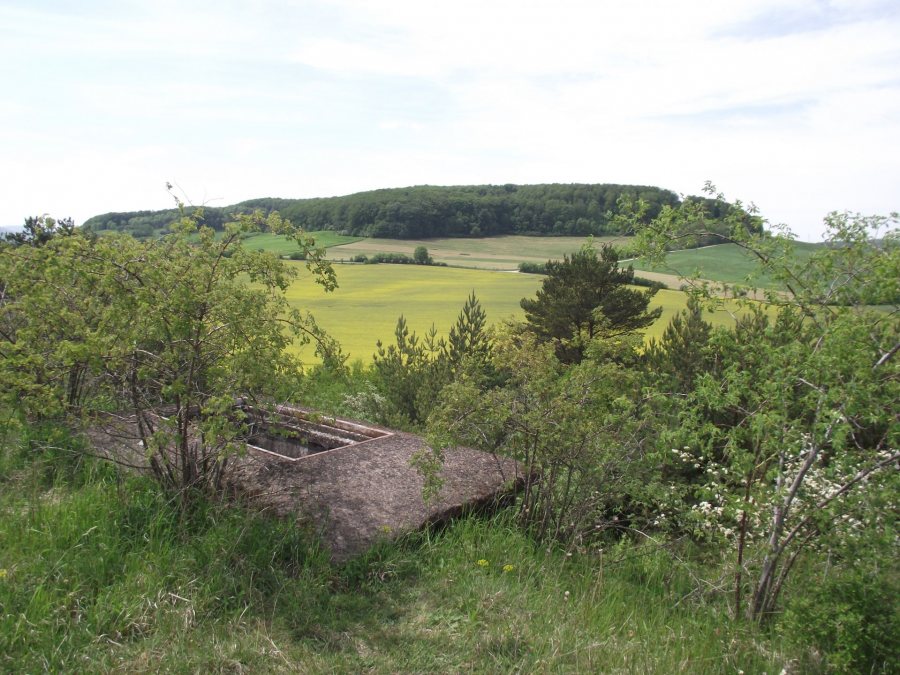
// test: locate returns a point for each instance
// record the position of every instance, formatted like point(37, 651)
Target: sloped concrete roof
point(358, 494)
point(354, 495)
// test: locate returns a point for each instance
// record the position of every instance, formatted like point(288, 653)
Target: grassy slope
point(283, 246)
point(725, 262)
point(371, 297)
point(99, 574)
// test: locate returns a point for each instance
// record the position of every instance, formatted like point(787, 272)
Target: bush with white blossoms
point(787, 439)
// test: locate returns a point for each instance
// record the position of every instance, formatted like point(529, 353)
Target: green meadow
point(284, 246)
point(727, 263)
point(370, 298)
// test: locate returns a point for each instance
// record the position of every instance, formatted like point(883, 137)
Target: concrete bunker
point(354, 482)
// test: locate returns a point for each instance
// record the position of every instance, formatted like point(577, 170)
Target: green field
point(493, 253)
point(369, 299)
point(284, 246)
point(365, 307)
point(727, 263)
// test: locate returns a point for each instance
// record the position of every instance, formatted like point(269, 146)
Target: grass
point(100, 573)
point(284, 246)
point(726, 263)
point(370, 298)
point(492, 253)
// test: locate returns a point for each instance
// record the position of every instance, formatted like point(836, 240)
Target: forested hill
point(429, 211)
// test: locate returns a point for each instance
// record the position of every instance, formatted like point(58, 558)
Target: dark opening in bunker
point(292, 434)
point(293, 446)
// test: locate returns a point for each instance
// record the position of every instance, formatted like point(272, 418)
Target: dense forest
point(430, 211)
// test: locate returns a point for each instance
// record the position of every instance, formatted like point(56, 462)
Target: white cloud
point(793, 104)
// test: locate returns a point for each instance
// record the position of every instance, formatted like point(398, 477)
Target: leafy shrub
point(390, 258)
point(852, 618)
point(647, 283)
point(533, 268)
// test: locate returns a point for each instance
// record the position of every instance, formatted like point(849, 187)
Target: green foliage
point(682, 353)
point(50, 320)
point(691, 223)
point(573, 430)
point(429, 211)
point(389, 258)
point(168, 330)
point(38, 230)
point(851, 615)
point(397, 258)
point(411, 373)
point(584, 296)
point(533, 268)
point(790, 429)
point(647, 283)
point(468, 342)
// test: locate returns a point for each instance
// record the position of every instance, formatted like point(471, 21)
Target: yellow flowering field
point(369, 299)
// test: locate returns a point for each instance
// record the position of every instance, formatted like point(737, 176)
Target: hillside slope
point(429, 211)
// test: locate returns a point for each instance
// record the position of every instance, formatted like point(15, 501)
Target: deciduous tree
point(794, 433)
point(173, 330)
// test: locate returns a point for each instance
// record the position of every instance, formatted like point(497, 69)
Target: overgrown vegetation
point(166, 331)
point(99, 572)
point(722, 498)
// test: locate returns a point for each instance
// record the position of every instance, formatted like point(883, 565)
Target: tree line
point(431, 211)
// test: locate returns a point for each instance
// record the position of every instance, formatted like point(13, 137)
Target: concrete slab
point(354, 494)
point(360, 493)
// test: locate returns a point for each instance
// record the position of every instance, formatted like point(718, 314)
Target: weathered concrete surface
point(361, 493)
point(354, 495)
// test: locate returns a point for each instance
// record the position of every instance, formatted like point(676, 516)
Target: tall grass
point(99, 572)
point(480, 596)
point(89, 572)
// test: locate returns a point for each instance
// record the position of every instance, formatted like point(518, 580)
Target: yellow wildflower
point(482, 563)
point(508, 568)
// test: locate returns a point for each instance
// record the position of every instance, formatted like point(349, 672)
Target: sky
point(793, 105)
